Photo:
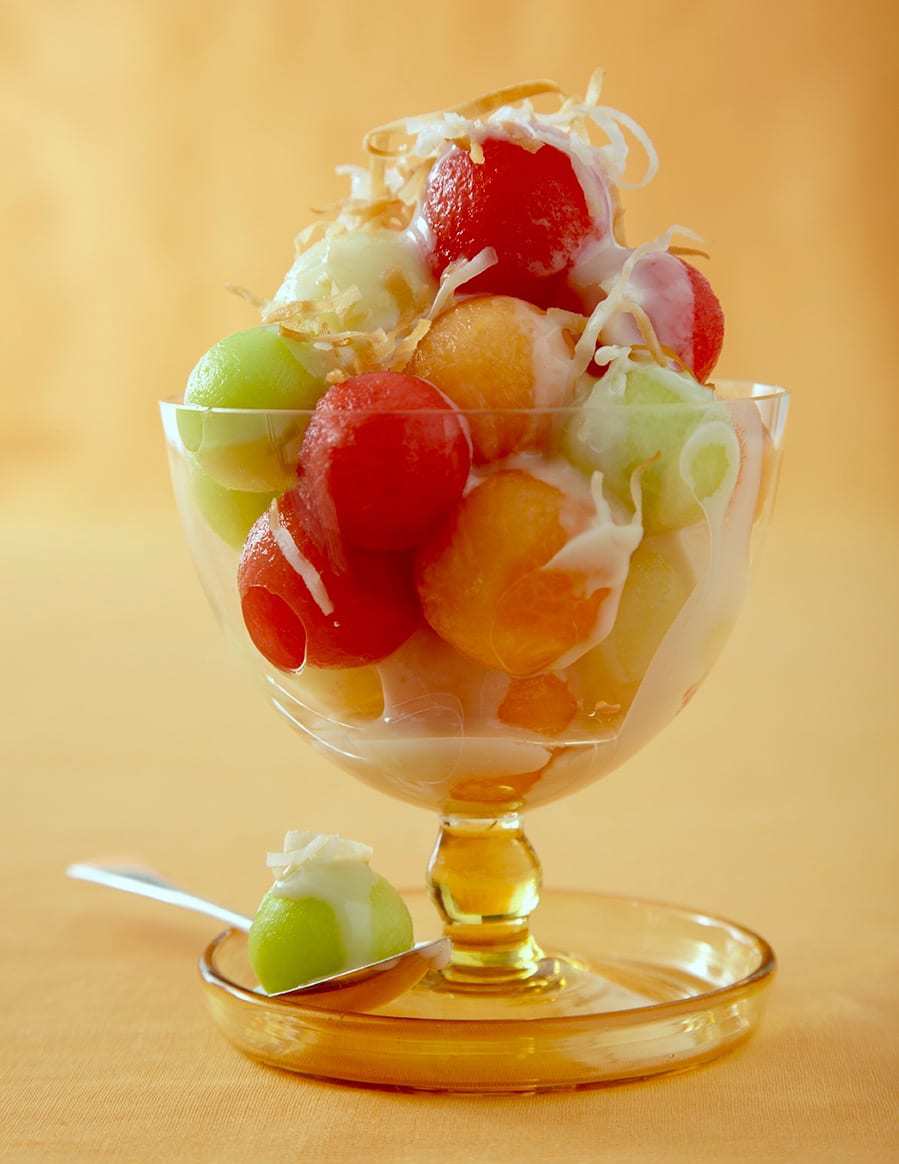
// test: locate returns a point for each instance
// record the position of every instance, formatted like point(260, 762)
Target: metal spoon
point(359, 989)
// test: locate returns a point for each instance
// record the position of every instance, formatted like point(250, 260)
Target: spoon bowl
point(370, 986)
point(358, 989)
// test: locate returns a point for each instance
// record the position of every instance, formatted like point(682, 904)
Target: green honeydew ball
point(663, 414)
point(255, 369)
point(297, 940)
point(292, 942)
point(228, 512)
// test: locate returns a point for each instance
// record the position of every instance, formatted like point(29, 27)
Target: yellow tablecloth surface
point(158, 150)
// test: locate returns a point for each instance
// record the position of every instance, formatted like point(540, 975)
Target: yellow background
point(155, 151)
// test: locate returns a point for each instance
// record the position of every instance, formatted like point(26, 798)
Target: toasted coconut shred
point(456, 275)
point(386, 194)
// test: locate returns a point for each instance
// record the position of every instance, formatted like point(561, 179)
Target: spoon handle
point(146, 883)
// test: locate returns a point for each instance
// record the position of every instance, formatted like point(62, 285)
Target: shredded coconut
point(456, 275)
point(303, 848)
point(386, 193)
point(300, 565)
point(616, 289)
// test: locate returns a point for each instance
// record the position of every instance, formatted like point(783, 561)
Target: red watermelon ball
point(528, 205)
point(684, 310)
point(387, 456)
point(306, 598)
point(708, 325)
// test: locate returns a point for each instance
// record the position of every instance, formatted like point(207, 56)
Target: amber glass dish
point(680, 988)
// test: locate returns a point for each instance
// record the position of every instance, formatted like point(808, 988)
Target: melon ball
point(669, 423)
point(327, 912)
point(385, 265)
point(260, 371)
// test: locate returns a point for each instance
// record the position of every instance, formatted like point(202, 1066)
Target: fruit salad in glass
point(468, 496)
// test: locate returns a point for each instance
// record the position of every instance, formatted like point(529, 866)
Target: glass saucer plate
point(655, 988)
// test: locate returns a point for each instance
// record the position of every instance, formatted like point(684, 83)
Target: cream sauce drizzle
point(336, 872)
point(602, 552)
point(553, 380)
point(601, 540)
point(682, 659)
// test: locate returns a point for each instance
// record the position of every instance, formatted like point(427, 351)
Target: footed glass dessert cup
point(566, 609)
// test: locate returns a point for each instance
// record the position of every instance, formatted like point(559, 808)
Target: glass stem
point(485, 878)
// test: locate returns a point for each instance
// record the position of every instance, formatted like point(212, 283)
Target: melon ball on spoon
point(327, 912)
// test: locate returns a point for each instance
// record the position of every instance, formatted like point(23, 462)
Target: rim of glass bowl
point(766, 968)
point(758, 393)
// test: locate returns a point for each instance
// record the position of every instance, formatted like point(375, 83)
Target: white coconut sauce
point(660, 285)
point(553, 380)
point(602, 554)
point(681, 660)
point(338, 875)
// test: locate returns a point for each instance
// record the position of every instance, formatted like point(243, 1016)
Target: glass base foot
point(653, 988)
point(562, 986)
